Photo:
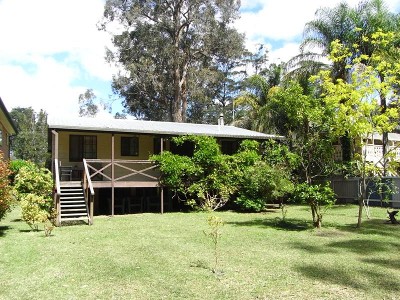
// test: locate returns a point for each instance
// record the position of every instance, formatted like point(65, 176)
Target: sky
point(51, 50)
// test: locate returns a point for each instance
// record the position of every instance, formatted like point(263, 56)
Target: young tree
point(31, 141)
point(161, 48)
point(356, 103)
point(305, 121)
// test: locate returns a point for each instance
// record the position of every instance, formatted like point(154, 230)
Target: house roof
point(6, 119)
point(395, 137)
point(154, 127)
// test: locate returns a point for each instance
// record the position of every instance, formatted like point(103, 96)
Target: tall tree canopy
point(31, 141)
point(346, 24)
point(165, 49)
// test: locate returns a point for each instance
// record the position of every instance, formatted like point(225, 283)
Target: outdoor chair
point(66, 172)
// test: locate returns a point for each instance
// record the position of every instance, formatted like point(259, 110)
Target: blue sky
point(51, 50)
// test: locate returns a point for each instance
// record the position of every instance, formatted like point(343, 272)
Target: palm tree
point(252, 102)
point(330, 24)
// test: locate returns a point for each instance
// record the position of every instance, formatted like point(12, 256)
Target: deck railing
point(372, 153)
point(123, 170)
point(88, 191)
point(57, 192)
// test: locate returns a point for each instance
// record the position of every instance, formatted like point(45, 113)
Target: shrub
point(263, 179)
point(36, 210)
point(34, 180)
point(205, 180)
point(5, 190)
point(262, 184)
point(17, 164)
point(34, 187)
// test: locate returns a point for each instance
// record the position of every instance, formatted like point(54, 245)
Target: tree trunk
point(385, 138)
point(361, 200)
point(177, 105)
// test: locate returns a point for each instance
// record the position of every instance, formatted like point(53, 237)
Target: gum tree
point(163, 48)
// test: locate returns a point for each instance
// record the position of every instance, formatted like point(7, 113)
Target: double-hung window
point(82, 146)
point(129, 146)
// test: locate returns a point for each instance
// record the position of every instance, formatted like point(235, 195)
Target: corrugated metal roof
point(153, 127)
point(395, 137)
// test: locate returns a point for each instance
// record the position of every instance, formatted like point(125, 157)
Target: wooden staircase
point(73, 206)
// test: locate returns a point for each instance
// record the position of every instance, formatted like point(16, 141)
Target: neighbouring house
point(7, 129)
point(102, 166)
point(372, 148)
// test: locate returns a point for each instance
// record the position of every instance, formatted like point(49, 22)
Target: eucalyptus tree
point(87, 105)
point(162, 46)
point(31, 141)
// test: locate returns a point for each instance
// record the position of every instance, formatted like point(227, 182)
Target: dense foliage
point(263, 178)
point(205, 180)
point(5, 189)
point(31, 141)
point(209, 179)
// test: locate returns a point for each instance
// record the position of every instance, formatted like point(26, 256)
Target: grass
point(152, 256)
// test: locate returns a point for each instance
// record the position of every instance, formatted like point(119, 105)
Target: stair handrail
point(57, 193)
point(88, 187)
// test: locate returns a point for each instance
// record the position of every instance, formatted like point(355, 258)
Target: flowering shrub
point(33, 180)
point(33, 186)
point(36, 210)
point(5, 190)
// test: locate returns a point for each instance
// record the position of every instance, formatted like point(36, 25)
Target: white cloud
point(282, 22)
point(51, 50)
point(48, 47)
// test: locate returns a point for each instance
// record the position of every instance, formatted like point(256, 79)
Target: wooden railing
point(88, 191)
point(57, 192)
point(123, 170)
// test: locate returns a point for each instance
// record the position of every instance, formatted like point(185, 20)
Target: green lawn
point(153, 256)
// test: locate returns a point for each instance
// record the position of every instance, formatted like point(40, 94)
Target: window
point(129, 146)
point(229, 147)
point(82, 146)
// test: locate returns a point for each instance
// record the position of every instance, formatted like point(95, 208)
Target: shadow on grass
point(277, 223)
point(74, 223)
point(357, 278)
point(387, 263)
point(313, 249)
point(358, 246)
point(3, 230)
point(373, 227)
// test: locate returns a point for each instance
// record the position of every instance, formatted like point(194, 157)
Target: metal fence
point(348, 189)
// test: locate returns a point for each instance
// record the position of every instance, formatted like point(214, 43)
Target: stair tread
point(74, 214)
point(74, 219)
point(67, 208)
